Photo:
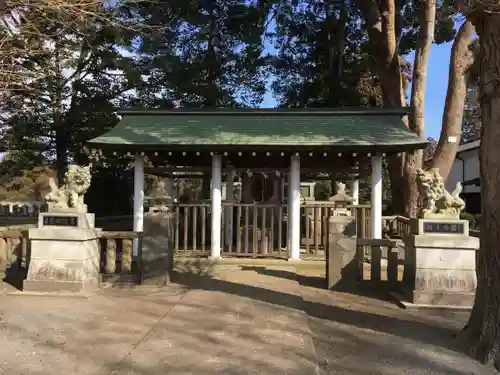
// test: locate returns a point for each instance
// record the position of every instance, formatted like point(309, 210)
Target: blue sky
point(437, 83)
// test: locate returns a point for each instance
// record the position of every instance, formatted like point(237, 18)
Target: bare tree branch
point(27, 28)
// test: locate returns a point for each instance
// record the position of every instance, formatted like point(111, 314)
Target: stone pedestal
point(158, 247)
point(341, 266)
point(440, 264)
point(65, 254)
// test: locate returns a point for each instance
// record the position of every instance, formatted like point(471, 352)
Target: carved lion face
point(78, 178)
point(423, 176)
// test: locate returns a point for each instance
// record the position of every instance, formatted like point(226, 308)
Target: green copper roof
point(260, 127)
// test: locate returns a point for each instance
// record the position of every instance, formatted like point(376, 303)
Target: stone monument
point(159, 198)
point(65, 250)
point(341, 250)
point(158, 245)
point(341, 200)
point(440, 256)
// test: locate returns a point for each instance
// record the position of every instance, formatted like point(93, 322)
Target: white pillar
point(228, 211)
point(355, 191)
point(138, 199)
point(376, 203)
point(215, 251)
point(294, 208)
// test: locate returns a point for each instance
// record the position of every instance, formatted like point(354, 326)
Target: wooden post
point(362, 223)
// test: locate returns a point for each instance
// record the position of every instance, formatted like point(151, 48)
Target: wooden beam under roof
point(310, 173)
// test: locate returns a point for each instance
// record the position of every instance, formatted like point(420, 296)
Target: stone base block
point(442, 297)
point(406, 304)
point(63, 260)
point(440, 270)
point(56, 286)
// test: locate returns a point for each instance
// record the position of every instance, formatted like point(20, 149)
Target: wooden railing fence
point(396, 226)
point(257, 231)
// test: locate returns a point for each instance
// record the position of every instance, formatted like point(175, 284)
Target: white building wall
point(456, 175)
point(465, 168)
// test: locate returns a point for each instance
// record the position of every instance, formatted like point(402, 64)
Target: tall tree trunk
point(211, 99)
point(381, 26)
point(61, 136)
point(341, 42)
point(460, 62)
point(413, 160)
point(483, 329)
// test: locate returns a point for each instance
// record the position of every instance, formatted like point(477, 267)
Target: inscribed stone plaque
point(443, 227)
point(61, 221)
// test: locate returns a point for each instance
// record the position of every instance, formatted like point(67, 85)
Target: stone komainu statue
point(438, 203)
point(70, 194)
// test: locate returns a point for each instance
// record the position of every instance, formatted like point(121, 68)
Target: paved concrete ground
point(365, 335)
point(259, 320)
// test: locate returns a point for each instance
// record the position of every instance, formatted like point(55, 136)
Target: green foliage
point(25, 184)
point(322, 190)
point(185, 54)
point(474, 220)
point(324, 59)
point(408, 23)
point(211, 54)
point(320, 61)
point(83, 77)
point(112, 190)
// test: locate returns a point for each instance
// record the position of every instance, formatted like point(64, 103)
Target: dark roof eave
point(391, 148)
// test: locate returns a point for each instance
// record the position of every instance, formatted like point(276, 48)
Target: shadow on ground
point(364, 288)
point(394, 326)
point(359, 320)
point(213, 321)
point(15, 276)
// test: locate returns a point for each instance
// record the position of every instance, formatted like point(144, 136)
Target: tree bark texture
point(381, 27)
point(413, 160)
point(61, 133)
point(460, 62)
point(482, 332)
